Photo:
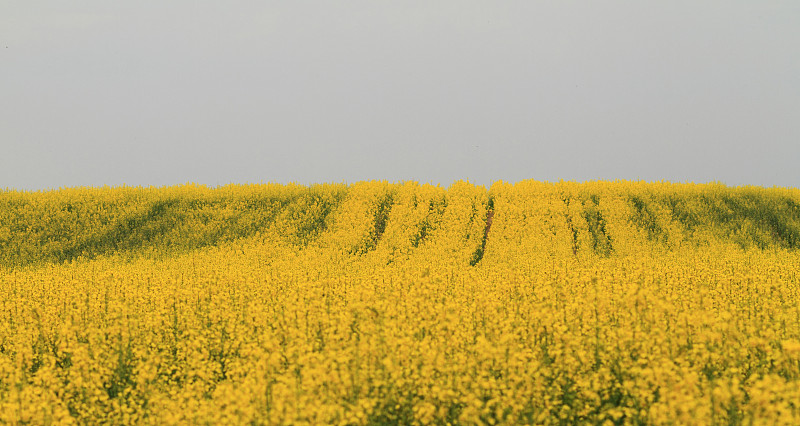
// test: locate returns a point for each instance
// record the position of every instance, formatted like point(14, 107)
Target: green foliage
point(747, 216)
point(67, 225)
point(646, 220)
point(601, 241)
point(477, 256)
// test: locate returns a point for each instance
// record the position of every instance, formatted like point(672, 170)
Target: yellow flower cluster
point(377, 303)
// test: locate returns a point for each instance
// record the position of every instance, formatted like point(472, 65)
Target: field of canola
point(378, 303)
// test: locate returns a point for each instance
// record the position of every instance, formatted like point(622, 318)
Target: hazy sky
point(213, 92)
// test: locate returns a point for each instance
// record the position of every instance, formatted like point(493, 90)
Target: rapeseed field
point(379, 303)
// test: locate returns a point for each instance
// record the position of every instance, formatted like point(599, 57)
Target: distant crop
point(378, 303)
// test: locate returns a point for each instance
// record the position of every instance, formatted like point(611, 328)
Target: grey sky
point(166, 92)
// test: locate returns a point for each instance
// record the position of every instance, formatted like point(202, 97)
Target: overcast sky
point(166, 92)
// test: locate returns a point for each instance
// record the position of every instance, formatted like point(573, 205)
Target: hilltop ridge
point(593, 219)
